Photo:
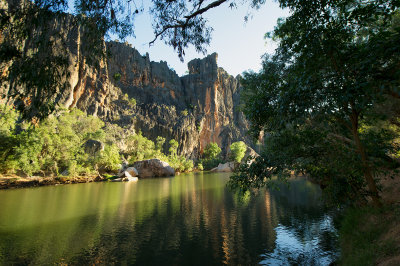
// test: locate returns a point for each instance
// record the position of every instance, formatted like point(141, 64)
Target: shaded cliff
point(195, 109)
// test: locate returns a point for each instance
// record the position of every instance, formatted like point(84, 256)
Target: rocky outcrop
point(225, 167)
point(153, 168)
point(195, 109)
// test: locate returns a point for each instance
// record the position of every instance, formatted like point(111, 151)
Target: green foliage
point(140, 148)
point(180, 163)
point(173, 147)
point(211, 156)
point(200, 166)
point(8, 120)
point(125, 97)
point(185, 112)
point(132, 102)
point(160, 143)
point(54, 145)
point(317, 97)
point(117, 77)
point(238, 151)
point(211, 151)
point(110, 159)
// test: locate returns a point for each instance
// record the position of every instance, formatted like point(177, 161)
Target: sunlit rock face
point(195, 109)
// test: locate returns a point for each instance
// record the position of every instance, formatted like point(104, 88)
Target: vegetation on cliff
point(238, 151)
point(56, 145)
point(211, 156)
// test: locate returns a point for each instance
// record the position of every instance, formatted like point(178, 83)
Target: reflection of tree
point(183, 220)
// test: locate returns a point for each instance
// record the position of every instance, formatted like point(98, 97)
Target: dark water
point(190, 219)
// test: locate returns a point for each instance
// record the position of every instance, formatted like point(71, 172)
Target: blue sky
point(239, 45)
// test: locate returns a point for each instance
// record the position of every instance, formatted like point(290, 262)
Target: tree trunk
point(364, 158)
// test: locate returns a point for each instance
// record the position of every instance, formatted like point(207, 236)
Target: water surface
point(191, 219)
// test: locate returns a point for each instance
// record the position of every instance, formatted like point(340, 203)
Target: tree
point(211, 151)
point(173, 147)
point(8, 120)
point(316, 97)
point(238, 150)
point(160, 143)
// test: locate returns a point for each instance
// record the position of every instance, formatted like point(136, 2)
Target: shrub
point(132, 102)
point(117, 76)
point(55, 144)
point(185, 112)
point(8, 120)
point(173, 147)
point(238, 151)
point(140, 148)
point(110, 158)
point(211, 151)
point(160, 143)
point(211, 156)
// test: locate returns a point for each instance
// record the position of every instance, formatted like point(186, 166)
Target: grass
point(364, 237)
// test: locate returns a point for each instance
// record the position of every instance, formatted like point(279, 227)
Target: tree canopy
point(319, 97)
point(238, 151)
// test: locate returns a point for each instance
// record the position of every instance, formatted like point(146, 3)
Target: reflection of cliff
point(183, 220)
point(195, 109)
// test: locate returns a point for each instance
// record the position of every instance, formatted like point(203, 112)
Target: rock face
point(153, 168)
point(93, 147)
point(195, 109)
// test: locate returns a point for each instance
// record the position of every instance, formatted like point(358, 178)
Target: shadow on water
point(190, 219)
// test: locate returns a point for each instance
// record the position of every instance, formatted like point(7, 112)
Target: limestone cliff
point(194, 109)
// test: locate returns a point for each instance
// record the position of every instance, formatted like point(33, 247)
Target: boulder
point(224, 167)
point(131, 171)
point(127, 176)
point(153, 168)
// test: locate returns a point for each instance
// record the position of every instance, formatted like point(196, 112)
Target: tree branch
point(188, 18)
point(204, 9)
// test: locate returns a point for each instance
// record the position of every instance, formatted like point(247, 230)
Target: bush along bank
point(71, 144)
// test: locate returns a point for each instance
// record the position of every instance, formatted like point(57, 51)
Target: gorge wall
point(198, 108)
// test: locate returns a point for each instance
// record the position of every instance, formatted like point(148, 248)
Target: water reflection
point(190, 219)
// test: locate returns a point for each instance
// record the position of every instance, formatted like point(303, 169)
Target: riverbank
point(7, 182)
point(370, 236)
point(15, 181)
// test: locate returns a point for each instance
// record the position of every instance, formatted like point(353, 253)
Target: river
point(190, 219)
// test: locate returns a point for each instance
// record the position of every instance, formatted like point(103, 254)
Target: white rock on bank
point(224, 167)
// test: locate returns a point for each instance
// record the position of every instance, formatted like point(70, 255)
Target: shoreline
point(14, 182)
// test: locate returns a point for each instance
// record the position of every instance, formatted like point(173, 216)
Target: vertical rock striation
point(195, 109)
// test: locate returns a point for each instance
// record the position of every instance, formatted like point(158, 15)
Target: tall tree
point(316, 96)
